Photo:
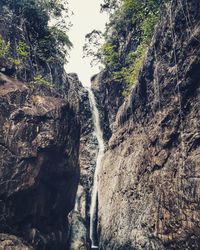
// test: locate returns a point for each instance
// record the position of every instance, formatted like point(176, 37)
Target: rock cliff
point(12, 242)
point(39, 132)
point(149, 182)
point(109, 98)
point(148, 190)
point(80, 217)
point(39, 145)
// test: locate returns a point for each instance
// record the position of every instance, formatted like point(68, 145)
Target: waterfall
point(94, 201)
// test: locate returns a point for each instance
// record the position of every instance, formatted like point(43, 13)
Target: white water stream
point(99, 136)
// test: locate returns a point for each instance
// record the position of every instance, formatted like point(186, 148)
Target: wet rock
point(109, 98)
point(79, 238)
point(79, 217)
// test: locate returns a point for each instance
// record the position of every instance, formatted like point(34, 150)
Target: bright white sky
point(86, 17)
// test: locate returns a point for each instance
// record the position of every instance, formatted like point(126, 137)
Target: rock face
point(79, 218)
point(109, 98)
point(39, 170)
point(149, 182)
point(12, 242)
point(39, 132)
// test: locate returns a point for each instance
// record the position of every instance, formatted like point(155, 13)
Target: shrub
point(40, 80)
point(131, 22)
point(50, 42)
point(22, 53)
point(22, 50)
point(110, 55)
point(4, 47)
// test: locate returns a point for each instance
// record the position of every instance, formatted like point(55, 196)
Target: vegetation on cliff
point(39, 126)
point(127, 37)
point(40, 42)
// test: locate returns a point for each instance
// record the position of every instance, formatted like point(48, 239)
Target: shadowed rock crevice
point(38, 164)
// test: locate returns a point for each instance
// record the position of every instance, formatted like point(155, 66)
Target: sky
point(86, 18)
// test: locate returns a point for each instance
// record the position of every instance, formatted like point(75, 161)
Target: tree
point(110, 5)
point(126, 38)
point(91, 48)
point(52, 42)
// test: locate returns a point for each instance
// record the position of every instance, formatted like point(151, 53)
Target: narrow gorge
point(94, 196)
point(110, 164)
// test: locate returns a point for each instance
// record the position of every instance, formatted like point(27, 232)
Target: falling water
point(99, 136)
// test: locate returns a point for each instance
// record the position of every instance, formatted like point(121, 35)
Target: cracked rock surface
point(39, 170)
point(149, 182)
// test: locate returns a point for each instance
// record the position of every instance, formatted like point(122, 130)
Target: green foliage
point(134, 70)
point(131, 22)
point(22, 50)
point(4, 55)
point(148, 26)
point(4, 47)
point(51, 43)
point(110, 55)
point(139, 52)
point(53, 47)
point(130, 74)
point(92, 47)
point(61, 37)
point(110, 5)
point(16, 62)
point(40, 80)
point(22, 53)
point(9, 60)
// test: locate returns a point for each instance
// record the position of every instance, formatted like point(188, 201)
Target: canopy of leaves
point(132, 22)
point(110, 5)
point(93, 41)
point(52, 42)
point(127, 36)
